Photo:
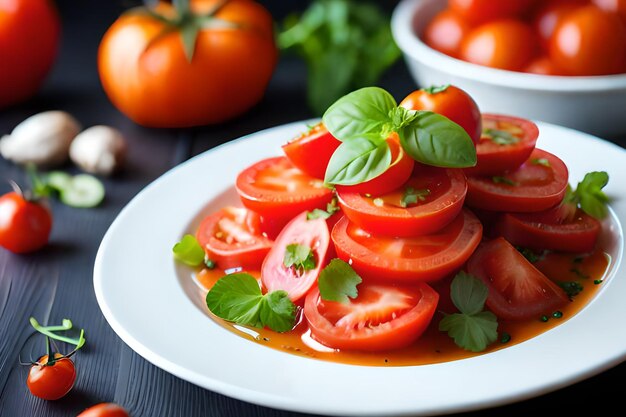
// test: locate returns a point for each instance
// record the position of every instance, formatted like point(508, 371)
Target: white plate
point(148, 304)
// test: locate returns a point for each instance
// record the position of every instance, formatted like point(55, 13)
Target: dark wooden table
point(57, 282)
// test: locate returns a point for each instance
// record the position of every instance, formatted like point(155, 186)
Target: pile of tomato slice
point(410, 228)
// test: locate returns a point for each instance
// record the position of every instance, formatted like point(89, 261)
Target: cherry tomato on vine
point(159, 78)
point(51, 382)
point(449, 101)
point(479, 11)
point(505, 44)
point(445, 32)
point(29, 39)
point(104, 410)
point(24, 225)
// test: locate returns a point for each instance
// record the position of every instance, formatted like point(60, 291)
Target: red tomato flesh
point(311, 151)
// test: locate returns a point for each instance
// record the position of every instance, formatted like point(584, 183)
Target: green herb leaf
point(357, 161)
point(571, 288)
point(338, 281)
point(362, 112)
point(412, 196)
point(436, 140)
point(331, 208)
point(529, 254)
point(540, 161)
point(503, 180)
point(472, 329)
point(436, 89)
point(189, 251)
point(500, 137)
point(299, 256)
point(238, 298)
point(590, 196)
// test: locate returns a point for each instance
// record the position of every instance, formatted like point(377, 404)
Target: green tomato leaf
point(299, 256)
point(590, 196)
point(362, 112)
point(338, 282)
point(468, 293)
point(435, 140)
point(238, 298)
point(471, 332)
point(189, 251)
point(357, 161)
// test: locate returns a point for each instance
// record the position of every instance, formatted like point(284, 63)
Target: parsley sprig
point(299, 256)
point(338, 282)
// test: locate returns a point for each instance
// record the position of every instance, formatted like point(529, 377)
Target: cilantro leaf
point(238, 298)
point(331, 208)
point(589, 194)
point(338, 281)
point(500, 137)
point(189, 251)
point(472, 329)
point(412, 196)
point(299, 256)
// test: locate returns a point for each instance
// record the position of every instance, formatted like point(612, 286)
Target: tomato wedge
point(311, 151)
point(578, 234)
point(382, 317)
point(313, 234)
point(422, 258)
point(398, 172)
point(439, 198)
point(539, 184)
point(232, 238)
point(505, 144)
point(278, 191)
point(517, 290)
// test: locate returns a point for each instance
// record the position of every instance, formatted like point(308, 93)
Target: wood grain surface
point(56, 282)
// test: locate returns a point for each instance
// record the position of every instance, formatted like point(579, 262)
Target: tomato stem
point(49, 332)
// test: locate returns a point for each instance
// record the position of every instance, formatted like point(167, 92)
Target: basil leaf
point(338, 281)
point(357, 161)
point(471, 332)
point(364, 111)
point(435, 140)
point(591, 198)
point(468, 293)
point(189, 251)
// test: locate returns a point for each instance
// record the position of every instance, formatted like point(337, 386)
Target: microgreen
point(238, 298)
point(338, 282)
point(500, 137)
point(365, 118)
point(589, 195)
point(412, 196)
point(299, 256)
point(189, 251)
point(472, 329)
point(331, 208)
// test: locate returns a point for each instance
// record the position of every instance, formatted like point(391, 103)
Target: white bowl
point(593, 104)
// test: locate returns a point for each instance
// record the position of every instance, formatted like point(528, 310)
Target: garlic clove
point(43, 139)
point(99, 150)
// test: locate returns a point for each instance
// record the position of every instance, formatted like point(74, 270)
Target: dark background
point(57, 281)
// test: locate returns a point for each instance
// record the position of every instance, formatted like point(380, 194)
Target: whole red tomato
point(24, 225)
point(549, 15)
point(451, 102)
point(104, 410)
point(614, 6)
point(589, 41)
point(29, 39)
point(157, 80)
point(446, 31)
point(51, 381)
point(480, 11)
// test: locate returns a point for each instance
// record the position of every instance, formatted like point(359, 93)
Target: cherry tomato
point(317, 141)
point(24, 225)
point(589, 41)
point(29, 39)
point(542, 65)
point(396, 175)
point(403, 260)
point(51, 382)
point(479, 11)
point(105, 410)
point(540, 183)
point(613, 6)
point(232, 238)
point(278, 191)
point(530, 231)
point(445, 32)
point(506, 143)
point(148, 77)
point(451, 102)
point(297, 282)
point(504, 44)
point(439, 198)
point(517, 290)
point(548, 16)
point(382, 317)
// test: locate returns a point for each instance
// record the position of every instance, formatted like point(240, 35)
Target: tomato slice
point(441, 195)
point(276, 276)
point(278, 191)
point(517, 290)
point(382, 317)
point(398, 172)
point(232, 238)
point(578, 234)
point(540, 183)
point(311, 151)
point(506, 143)
point(422, 258)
